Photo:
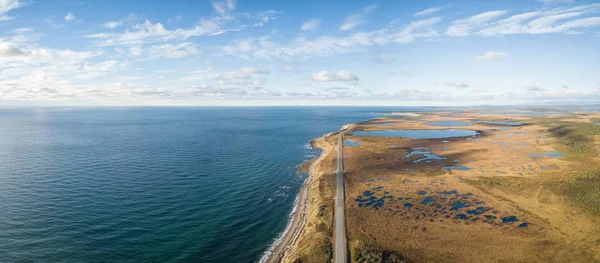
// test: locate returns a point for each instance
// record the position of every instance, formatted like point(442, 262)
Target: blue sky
point(308, 52)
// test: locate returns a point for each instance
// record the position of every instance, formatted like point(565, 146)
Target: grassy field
point(509, 172)
point(581, 184)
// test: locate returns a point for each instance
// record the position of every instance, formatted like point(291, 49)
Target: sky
point(310, 52)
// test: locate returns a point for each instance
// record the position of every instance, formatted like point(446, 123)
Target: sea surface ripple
point(145, 184)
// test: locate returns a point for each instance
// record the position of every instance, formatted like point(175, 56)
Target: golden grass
point(315, 243)
point(561, 205)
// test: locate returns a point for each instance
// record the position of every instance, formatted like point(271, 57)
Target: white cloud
point(428, 11)
point(242, 73)
point(491, 55)
point(8, 49)
point(303, 47)
point(383, 58)
point(112, 24)
point(464, 27)
point(459, 85)
point(231, 4)
point(535, 88)
point(556, 20)
point(95, 70)
point(135, 51)
point(11, 52)
point(8, 5)
point(171, 51)
point(340, 76)
point(224, 7)
point(103, 66)
point(415, 30)
point(69, 17)
point(148, 32)
point(564, 86)
point(311, 25)
point(253, 70)
point(354, 20)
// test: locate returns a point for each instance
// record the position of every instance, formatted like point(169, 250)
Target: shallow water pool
point(351, 143)
point(456, 167)
point(553, 154)
point(427, 156)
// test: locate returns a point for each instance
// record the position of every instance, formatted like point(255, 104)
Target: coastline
point(281, 248)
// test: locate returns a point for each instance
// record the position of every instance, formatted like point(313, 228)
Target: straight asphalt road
point(340, 220)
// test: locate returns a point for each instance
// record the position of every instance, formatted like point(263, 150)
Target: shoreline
point(282, 246)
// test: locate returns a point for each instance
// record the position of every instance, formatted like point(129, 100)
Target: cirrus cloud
point(459, 85)
point(383, 58)
point(312, 24)
point(491, 55)
point(428, 11)
point(534, 88)
point(354, 20)
point(340, 76)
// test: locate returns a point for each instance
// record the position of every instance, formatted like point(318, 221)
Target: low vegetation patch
point(584, 189)
point(580, 187)
point(575, 139)
point(367, 254)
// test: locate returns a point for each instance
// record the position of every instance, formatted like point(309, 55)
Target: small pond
point(449, 123)
point(418, 134)
point(534, 156)
point(351, 143)
point(456, 167)
point(425, 155)
point(553, 154)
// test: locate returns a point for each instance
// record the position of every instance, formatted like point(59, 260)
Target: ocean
point(145, 184)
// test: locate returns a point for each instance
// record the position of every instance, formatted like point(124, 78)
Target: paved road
point(340, 220)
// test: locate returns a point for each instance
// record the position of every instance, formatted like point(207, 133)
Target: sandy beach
point(282, 247)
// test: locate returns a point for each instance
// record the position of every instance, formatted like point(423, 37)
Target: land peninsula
point(455, 186)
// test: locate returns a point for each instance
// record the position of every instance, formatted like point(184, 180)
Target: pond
point(553, 154)
point(418, 134)
point(449, 123)
point(425, 155)
point(534, 156)
point(456, 167)
point(351, 143)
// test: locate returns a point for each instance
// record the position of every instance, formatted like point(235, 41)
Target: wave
point(279, 238)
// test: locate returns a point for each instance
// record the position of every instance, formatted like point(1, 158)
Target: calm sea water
point(153, 184)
